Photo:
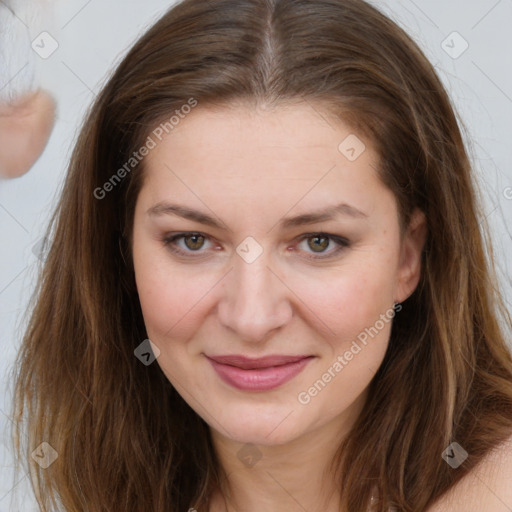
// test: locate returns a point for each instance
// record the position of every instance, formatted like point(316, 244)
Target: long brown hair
point(125, 438)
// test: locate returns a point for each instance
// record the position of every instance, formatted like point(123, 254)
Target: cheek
point(352, 296)
point(164, 295)
point(175, 298)
point(169, 299)
point(358, 309)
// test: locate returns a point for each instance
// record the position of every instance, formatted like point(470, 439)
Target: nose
point(255, 301)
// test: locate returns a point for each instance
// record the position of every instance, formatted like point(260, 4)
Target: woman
point(266, 287)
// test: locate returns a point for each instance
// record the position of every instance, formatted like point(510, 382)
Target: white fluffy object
point(17, 58)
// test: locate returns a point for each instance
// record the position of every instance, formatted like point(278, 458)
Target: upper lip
point(248, 363)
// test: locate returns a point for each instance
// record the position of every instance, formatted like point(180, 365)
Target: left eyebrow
point(323, 215)
point(329, 213)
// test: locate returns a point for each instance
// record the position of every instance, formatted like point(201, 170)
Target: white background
point(94, 35)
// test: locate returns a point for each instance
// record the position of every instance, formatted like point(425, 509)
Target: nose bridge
point(253, 303)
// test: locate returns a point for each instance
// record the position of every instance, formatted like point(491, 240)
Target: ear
point(409, 270)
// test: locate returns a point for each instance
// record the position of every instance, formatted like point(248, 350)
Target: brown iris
point(324, 245)
point(196, 244)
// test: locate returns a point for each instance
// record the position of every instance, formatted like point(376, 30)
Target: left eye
point(321, 241)
point(195, 241)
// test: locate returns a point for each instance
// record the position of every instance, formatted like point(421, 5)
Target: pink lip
point(261, 374)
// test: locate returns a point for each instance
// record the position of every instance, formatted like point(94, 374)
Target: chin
point(266, 425)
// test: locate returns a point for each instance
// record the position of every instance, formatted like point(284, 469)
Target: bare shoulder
point(487, 487)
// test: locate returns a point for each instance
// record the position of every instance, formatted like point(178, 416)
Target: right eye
point(193, 243)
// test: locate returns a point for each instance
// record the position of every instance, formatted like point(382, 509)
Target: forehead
point(300, 132)
point(289, 127)
point(255, 155)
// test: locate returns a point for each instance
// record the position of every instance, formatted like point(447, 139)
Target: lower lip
point(259, 379)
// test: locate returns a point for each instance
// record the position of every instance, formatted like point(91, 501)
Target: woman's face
point(290, 247)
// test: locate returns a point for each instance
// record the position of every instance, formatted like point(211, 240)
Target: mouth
point(258, 374)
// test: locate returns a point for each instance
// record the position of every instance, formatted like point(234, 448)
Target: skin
point(486, 487)
point(249, 168)
point(25, 127)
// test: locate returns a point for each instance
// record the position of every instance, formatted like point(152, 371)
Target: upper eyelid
point(184, 234)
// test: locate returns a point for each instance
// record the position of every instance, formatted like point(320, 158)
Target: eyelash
point(169, 242)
